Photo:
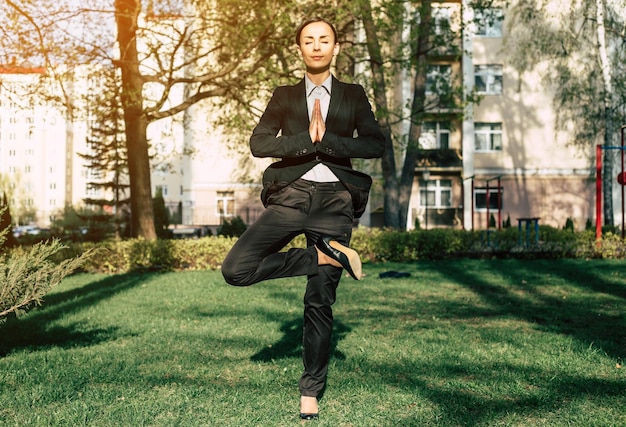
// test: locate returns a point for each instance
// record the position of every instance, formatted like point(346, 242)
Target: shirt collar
point(310, 86)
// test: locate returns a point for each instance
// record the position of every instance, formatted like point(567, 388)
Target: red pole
point(487, 200)
point(622, 173)
point(473, 195)
point(499, 204)
point(598, 193)
point(622, 150)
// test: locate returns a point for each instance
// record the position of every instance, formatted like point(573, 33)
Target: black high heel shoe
point(348, 258)
point(309, 417)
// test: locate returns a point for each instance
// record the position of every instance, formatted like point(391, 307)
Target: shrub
point(374, 245)
point(233, 228)
point(27, 274)
point(119, 256)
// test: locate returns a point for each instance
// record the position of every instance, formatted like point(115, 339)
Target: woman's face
point(318, 46)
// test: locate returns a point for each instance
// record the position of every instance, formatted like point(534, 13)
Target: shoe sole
point(353, 258)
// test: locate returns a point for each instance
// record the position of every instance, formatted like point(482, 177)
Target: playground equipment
point(487, 200)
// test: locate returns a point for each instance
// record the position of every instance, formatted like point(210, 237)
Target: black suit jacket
point(351, 132)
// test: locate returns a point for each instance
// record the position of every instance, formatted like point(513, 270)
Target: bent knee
point(229, 273)
point(232, 275)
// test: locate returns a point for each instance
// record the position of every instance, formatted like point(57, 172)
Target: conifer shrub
point(232, 228)
point(27, 274)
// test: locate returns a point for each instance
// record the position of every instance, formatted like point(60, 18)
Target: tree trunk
point(417, 108)
point(142, 217)
point(608, 157)
point(390, 181)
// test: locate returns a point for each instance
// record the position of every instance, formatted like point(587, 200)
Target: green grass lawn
point(459, 343)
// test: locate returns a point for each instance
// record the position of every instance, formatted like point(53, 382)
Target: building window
point(225, 203)
point(162, 189)
point(488, 79)
point(436, 193)
point(488, 136)
point(489, 22)
point(442, 17)
point(480, 198)
point(435, 136)
point(438, 79)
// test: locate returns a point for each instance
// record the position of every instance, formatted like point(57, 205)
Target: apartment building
point(38, 146)
point(202, 181)
point(506, 160)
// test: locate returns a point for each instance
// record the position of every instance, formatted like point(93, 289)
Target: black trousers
point(314, 209)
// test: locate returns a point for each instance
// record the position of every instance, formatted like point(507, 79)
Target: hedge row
point(374, 245)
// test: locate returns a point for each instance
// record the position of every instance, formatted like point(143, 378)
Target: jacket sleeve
point(266, 141)
point(366, 140)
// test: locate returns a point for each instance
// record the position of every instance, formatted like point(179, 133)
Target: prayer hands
point(317, 127)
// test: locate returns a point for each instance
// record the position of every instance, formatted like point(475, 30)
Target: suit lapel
point(298, 103)
point(336, 98)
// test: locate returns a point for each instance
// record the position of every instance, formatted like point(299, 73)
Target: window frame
point(442, 19)
point(490, 139)
point(435, 79)
point(493, 199)
point(489, 22)
point(491, 75)
point(431, 138)
point(436, 188)
point(225, 204)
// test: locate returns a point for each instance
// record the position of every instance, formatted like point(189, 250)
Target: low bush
point(374, 245)
point(118, 256)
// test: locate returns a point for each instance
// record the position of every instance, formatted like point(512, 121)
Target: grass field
point(459, 343)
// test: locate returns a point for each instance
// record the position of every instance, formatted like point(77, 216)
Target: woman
point(315, 127)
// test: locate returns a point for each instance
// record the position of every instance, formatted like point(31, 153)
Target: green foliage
point(161, 215)
point(233, 228)
point(83, 225)
point(120, 256)
point(569, 225)
point(6, 236)
point(26, 275)
point(374, 246)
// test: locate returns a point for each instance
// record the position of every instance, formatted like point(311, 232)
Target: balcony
point(448, 158)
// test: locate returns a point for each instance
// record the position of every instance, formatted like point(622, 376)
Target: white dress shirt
point(320, 172)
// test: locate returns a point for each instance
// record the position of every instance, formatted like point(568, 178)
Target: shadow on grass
point(589, 322)
point(32, 332)
point(290, 344)
point(461, 404)
point(585, 303)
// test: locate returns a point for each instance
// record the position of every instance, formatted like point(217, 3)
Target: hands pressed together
point(317, 127)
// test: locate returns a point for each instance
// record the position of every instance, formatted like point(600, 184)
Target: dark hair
point(311, 21)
